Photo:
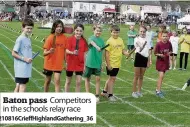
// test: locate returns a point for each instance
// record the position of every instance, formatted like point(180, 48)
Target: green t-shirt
point(94, 57)
point(131, 39)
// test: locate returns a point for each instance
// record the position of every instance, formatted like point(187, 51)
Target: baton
point(36, 54)
point(105, 47)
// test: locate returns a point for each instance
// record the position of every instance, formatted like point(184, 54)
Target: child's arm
point(156, 51)
point(124, 52)
point(70, 52)
point(47, 52)
point(95, 45)
point(107, 58)
point(17, 56)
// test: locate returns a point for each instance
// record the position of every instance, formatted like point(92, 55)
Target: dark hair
point(185, 29)
point(115, 28)
point(81, 26)
point(57, 22)
point(78, 25)
point(27, 22)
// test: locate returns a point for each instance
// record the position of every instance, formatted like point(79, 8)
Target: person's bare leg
point(57, 82)
point(47, 83)
point(68, 83)
point(78, 83)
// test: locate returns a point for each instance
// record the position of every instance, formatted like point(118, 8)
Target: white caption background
point(47, 108)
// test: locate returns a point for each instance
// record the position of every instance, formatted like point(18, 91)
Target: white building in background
point(90, 7)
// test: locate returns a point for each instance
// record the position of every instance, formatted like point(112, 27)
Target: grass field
point(173, 110)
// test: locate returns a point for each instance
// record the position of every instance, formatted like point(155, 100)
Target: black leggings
point(181, 59)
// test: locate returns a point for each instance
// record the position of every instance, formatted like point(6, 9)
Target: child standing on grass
point(22, 53)
point(150, 36)
point(113, 57)
point(142, 61)
point(130, 42)
point(174, 39)
point(93, 64)
point(76, 53)
point(163, 50)
point(184, 41)
point(54, 55)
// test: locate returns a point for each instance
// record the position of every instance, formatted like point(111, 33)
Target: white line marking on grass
point(7, 70)
point(154, 80)
point(165, 98)
point(124, 113)
point(17, 36)
point(103, 120)
point(5, 78)
point(141, 110)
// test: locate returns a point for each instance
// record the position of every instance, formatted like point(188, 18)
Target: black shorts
point(70, 73)
point(49, 73)
point(173, 54)
point(112, 72)
point(140, 61)
point(130, 47)
point(21, 80)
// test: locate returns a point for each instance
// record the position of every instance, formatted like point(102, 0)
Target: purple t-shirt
point(162, 63)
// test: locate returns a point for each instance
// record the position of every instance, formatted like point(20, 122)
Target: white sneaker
point(135, 95)
point(174, 68)
point(139, 94)
point(170, 68)
point(112, 99)
point(97, 99)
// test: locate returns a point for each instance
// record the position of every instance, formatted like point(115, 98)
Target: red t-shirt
point(76, 62)
point(162, 64)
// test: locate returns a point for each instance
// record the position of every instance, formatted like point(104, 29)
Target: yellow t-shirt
point(185, 47)
point(115, 49)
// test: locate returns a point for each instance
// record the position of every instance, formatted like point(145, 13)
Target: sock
point(105, 91)
point(110, 95)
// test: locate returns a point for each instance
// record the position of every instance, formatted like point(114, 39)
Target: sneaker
point(174, 68)
point(135, 95)
point(180, 69)
point(97, 99)
point(112, 99)
point(139, 94)
point(105, 94)
point(184, 69)
point(160, 94)
point(170, 68)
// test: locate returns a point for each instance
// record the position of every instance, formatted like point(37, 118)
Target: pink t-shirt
point(162, 64)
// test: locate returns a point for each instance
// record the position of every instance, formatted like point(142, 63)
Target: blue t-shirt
point(150, 36)
point(23, 48)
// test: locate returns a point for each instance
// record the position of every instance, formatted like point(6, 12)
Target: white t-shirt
point(138, 43)
point(174, 41)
